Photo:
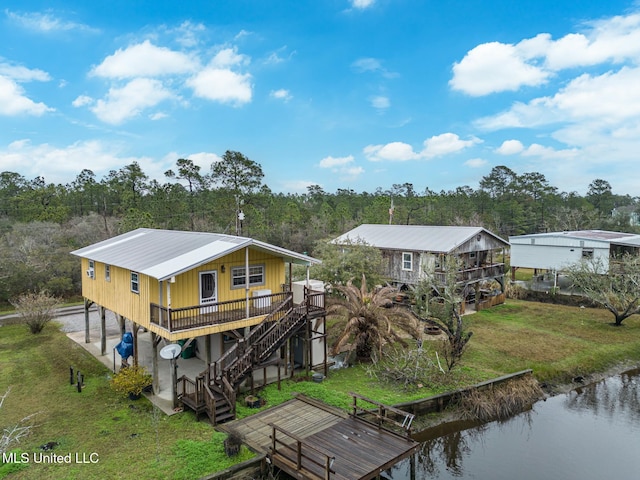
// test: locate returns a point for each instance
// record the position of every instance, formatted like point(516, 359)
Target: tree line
point(41, 222)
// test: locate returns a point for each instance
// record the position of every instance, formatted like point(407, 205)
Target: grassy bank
point(134, 440)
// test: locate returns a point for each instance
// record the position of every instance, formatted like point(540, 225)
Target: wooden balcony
point(483, 272)
point(197, 316)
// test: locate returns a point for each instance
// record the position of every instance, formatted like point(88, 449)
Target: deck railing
point(300, 454)
point(177, 319)
point(474, 273)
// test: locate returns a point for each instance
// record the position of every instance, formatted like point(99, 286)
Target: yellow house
point(182, 286)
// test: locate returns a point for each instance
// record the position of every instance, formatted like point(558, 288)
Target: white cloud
point(362, 4)
point(615, 39)
point(351, 173)
point(394, 151)
point(82, 101)
point(45, 22)
point(494, 67)
point(510, 147)
point(436, 146)
point(23, 74)
point(222, 85)
point(343, 167)
point(144, 59)
point(541, 151)
point(366, 64)
point(475, 163)
point(608, 100)
point(332, 162)
point(281, 94)
point(187, 33)
point(59, 164)
point(123, 103)
point(158, 116)
point(445, 144)
point(13, 101)
point(204, 160)
point(380, 102)
point(228, 57)
point(297, 186)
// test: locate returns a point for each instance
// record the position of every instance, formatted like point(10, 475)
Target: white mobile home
point(555, 251)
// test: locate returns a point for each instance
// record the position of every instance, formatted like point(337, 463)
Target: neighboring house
point(554, 251)
point(223, 291)
point(412, 250)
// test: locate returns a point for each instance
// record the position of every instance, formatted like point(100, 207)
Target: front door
point(208, 290)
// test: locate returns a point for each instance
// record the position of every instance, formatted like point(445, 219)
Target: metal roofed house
point(228, 292)
point(412, 250)
point(554, 251)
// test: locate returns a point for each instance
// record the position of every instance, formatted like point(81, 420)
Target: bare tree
point(615, 286)
point(36, 309)
point(439, 297)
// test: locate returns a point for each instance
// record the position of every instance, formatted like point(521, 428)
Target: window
point(107, 273)
point(407, 261)
point(587, 253)
point(256, 276)
point(91, 271)
point(135, 285)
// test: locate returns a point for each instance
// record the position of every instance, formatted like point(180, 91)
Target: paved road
point(71, 319)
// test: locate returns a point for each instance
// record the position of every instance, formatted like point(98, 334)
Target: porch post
point(246, 280)
point(121, 321)
point(154, 362)
point(87, 304)
point(135, 343)
point(103, 331)
point(207, 349)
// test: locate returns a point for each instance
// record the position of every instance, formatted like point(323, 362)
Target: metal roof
point(163, 254)
point(421, 238)
point(618, 238)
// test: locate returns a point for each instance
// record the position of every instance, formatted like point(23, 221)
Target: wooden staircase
point(214, 390)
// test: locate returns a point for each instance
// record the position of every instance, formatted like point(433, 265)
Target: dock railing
point(301, 453)
point(381, 414)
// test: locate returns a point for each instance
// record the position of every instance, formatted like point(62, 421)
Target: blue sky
point(352, 94)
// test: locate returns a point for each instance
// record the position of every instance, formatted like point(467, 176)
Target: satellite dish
point(171, 351)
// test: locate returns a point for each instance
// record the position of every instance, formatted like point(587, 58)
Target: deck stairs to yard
point(214, 391)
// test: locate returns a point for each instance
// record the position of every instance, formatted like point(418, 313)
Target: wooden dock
point(310, 440)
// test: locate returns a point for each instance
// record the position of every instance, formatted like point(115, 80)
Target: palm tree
point(371, 319)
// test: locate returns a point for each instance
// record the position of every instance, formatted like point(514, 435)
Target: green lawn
point(134, 440)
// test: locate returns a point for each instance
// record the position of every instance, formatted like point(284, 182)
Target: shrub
point(36, 309)
point(131, 380)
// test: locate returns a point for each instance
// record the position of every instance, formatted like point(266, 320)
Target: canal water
point(591, 433)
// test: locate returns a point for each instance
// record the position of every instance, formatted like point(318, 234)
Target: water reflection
point(590, 433)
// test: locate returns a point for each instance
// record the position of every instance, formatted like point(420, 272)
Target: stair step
point(224, 418)
point(224, 409)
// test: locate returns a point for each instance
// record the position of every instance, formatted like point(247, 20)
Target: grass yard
point(131, 438)
point(134, 440)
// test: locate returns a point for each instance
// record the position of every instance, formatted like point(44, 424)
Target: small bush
point(131, 380)
point(36, 309)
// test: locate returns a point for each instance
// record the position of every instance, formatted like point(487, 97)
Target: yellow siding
point(185, 292)
point(198, 332)
point(116, 294)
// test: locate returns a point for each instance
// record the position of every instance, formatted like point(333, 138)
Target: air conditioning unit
point(315, 286)
point(265, 301)
point(90, 273)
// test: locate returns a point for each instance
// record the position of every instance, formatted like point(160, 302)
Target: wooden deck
point(316, 441)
